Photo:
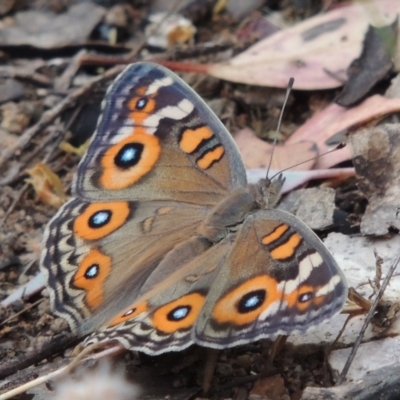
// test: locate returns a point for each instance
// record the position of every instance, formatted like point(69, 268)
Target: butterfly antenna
point(288, 90)
point(338, 147)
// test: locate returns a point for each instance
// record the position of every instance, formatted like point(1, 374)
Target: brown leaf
point(335, 119)
point(47, 185)
point(49, 30)
point(256, 153)
point(374, 64)
point(327, 42)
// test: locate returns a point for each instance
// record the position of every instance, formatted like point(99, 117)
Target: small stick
point(59, 372)
point(366, 322)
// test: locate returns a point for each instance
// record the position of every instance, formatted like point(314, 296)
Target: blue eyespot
point(141, 103)
point(100, 218)
point(129, 155)
point(92, 271)
point(251, 301)
point(179, 313)
point(303, 298)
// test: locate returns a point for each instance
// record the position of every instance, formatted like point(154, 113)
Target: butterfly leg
point(209, 368)
point(275, 349)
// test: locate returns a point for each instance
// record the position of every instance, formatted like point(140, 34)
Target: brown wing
point(157, 140)
point(97, 256)
point(278, 279)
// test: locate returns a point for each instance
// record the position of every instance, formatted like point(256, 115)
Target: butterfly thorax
point(230, 213)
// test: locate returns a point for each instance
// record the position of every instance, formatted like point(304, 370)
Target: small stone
point(224, 369)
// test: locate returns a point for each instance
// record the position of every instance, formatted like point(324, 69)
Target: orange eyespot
point(245, 303)
point(301, 297)
point(91, 275)
point(130, 313)
point(100, 219)
point(178, 314)
point(129, 160)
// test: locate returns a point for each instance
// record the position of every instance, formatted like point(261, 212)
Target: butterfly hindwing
point(98, 256)
point(278, 279)
point(263, 281)
point(163, 318)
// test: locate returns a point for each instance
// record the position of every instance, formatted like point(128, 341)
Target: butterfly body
point(164, 243)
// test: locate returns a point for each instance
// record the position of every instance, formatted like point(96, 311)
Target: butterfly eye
point(92, 271)
point(129, 155)
point(303, 298)
point(251, 301)
point(100, 218)
point(179, 313)
point(141, 103)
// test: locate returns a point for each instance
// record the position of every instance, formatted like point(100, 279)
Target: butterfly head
point(267, 192)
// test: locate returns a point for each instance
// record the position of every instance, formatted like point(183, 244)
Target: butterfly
point(164, 243)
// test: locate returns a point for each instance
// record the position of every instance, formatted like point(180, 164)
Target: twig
point(58, 373)
point(50, 348)
point(366, 322)
point(63, 82)
point(26, 308)
point(25, 73)
point(14, 203)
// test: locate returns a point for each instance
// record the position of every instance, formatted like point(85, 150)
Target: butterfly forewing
point(156, 139)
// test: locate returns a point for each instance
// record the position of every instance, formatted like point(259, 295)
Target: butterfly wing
point(97, 256)
point(158, 140)
point(163, 318)
point(273, 277)
point(157, 162)
point(278, 279)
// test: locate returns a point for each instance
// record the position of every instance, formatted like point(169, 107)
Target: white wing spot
point(330, 286)
point(152, 121)
point(122, 133)
point(305, 268)
point(270, 310)
point(186, 106)
point(153, 88)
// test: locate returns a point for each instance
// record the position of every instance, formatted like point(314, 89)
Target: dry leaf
point(79, 151)
point(373, 65)
point(256, 153)
point(335, 119)
point(327, 42)
point(47, 185)
point(49, 30)
point(167, 30)
point(294, 179)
